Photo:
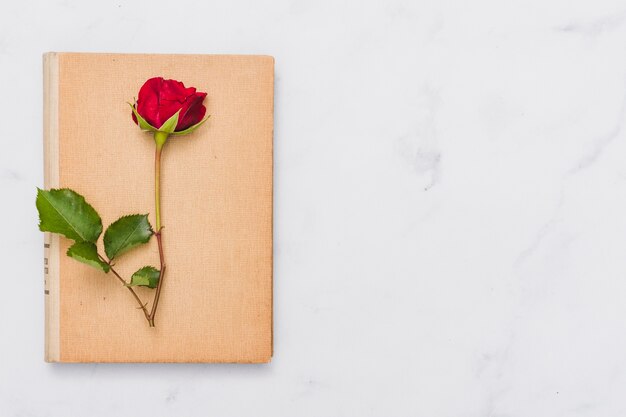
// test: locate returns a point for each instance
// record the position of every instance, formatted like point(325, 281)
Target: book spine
point(51, 180)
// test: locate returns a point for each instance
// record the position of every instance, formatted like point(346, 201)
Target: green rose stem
point(159, 138)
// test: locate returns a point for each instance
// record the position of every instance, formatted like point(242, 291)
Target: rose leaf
point(126, 233)
point(148, 276)
point(87, 253)
point(66, 212)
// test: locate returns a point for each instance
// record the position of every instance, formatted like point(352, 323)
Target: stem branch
point(132, 291)
point(159, 285)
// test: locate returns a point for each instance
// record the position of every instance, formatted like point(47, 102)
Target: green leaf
point(148, 276)
point(170, 124)
point(126, 233)
point(143, 124)
point(191, 128)
point(87, 253)
point(66, 212)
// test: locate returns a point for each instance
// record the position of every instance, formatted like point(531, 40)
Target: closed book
point(216, 210)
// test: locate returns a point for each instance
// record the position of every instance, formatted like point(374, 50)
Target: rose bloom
point(160, 99)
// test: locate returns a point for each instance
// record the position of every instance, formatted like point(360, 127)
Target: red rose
point(160, 99)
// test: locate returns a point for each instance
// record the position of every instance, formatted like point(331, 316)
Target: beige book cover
point(216, 210)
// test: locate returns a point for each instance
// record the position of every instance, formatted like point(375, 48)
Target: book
point(216, 210)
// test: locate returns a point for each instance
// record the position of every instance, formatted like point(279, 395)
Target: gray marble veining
point(450, 199)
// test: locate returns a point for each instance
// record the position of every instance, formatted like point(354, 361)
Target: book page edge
point(51, 180)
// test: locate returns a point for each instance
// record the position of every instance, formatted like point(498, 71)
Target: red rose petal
point(193, 111)
point(160, 99)
point(148, 101)
point(175, 91)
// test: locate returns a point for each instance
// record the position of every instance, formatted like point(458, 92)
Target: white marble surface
point(450, 208)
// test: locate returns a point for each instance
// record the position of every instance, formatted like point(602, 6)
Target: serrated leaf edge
point(105, 267)
point(130, 215)
point(42, 193)
point(130, 284)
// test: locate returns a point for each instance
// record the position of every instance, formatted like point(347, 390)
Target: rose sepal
point(170, 124)
point(143, 124)
point(191, 128)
